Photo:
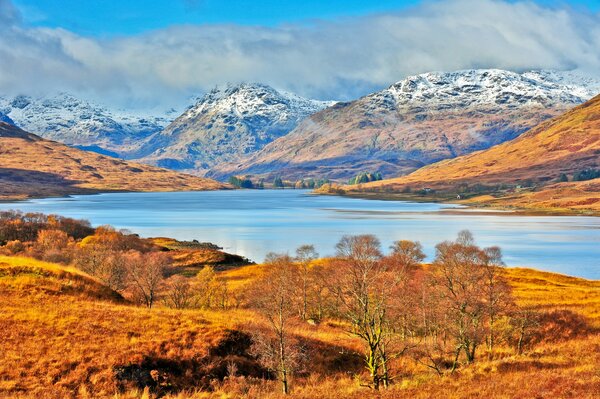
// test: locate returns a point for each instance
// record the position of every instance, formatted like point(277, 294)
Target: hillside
point(62, 339)
point(226, 124)
point(417, 121)
point(31, 167)
point(565, 145)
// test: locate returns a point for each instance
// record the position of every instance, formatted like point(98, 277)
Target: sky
point(141, 53)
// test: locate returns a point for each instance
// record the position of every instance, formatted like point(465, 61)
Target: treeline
point(442, 316)
point(365, 177)
point(277, 182)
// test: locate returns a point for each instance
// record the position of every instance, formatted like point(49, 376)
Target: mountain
point(225, 124)
point(32, 166)
point(79, 123)
point(417, 121)
point(567, 145)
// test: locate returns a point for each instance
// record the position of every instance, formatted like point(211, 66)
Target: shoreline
point(474, 207)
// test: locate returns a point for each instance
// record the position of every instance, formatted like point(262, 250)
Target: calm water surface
point(253, 223)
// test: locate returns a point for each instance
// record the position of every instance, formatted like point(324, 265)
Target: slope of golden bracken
point(31, 166)
point(566, 144)
point(63, 336)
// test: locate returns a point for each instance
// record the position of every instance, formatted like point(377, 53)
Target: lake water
point(254, 222)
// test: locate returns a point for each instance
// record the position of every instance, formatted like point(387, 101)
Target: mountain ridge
point(540, 161)
point(70, 120)
point(225, 124)
point(417, 121)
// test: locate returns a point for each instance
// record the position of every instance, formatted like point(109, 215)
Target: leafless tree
point(369, 288)
point(180, 293)
point(497, 293)
point(273, 296)
point(145, 274)
point(305, 255)
point(470, 287)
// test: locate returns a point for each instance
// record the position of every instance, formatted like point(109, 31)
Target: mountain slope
point(225, 124)
point(32, 166)
point(67, 119)
point(565, 145)
point(418, 121)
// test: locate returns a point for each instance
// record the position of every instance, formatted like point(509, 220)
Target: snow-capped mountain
point(438, 91)
point(79, 123)
point(417, 121)
point(227, 123)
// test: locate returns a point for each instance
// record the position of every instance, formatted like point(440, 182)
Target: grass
point(64, 336)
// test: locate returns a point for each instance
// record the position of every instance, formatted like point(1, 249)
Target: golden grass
point(57, 343)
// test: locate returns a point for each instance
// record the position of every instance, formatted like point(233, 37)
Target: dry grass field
point(65, 335)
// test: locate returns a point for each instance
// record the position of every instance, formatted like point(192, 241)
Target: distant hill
point(417, 121)
point(564, 145)
point(31, 166)
point(559, 149)
point(225, 124)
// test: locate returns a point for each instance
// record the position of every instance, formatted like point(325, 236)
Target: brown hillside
point(31, 166)
point(566, 144)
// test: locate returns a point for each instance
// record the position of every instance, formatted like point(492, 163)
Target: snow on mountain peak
point(256, 99)
point(492, 87)
point(68, 119)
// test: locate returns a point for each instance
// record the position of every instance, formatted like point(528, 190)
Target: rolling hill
point(418, 121)
point(64, 335)
point(31, 167)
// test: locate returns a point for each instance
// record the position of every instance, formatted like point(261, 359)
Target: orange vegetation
point(64, 335)
point(32, 166)
point(576, 196)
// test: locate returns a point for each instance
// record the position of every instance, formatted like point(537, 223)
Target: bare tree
point(523, 323)
point(273, 297)
point(368, 287)
point(497, 293)
point(305, 255)
point(470, 287)
point(145, 274)
point(180, 294)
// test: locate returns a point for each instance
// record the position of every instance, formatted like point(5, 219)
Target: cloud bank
point(326, 60)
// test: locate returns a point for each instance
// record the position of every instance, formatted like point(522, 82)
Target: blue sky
point(118, 17)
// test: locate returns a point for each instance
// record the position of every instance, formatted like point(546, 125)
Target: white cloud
point(341, 59)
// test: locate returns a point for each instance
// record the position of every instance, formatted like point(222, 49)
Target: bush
point(16, 225)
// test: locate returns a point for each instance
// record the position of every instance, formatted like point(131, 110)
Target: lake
point(254, 222)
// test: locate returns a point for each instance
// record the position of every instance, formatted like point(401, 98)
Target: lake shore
point(487, 203)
